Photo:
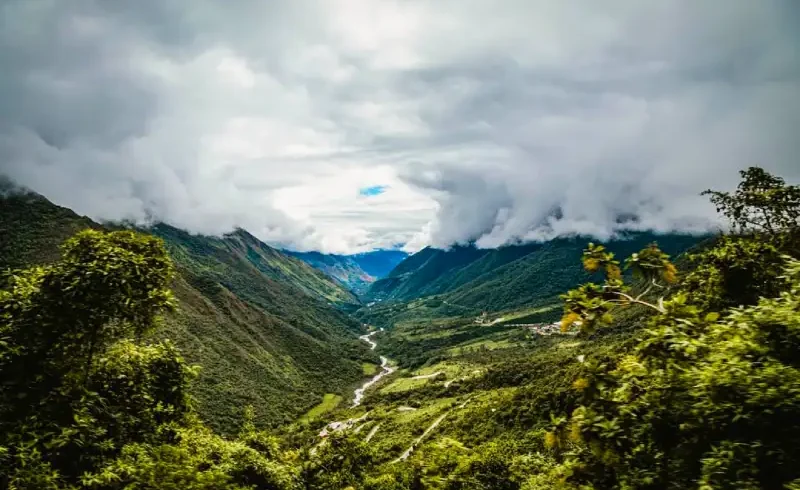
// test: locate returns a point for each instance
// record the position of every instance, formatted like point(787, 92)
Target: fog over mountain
point(344, 126)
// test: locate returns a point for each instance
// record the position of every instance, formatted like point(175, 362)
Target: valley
point(399, 245)
point(460, 369)
point(424, 351)
point(458, 390)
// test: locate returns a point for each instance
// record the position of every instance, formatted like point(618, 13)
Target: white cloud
point(487, 121)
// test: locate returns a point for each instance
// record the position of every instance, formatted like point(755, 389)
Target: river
point(359, 395)
point(385, 370)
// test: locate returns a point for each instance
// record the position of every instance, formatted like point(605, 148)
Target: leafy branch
point(589, 305)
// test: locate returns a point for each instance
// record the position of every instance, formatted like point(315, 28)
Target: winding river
point(385, 370)
point(359, 396)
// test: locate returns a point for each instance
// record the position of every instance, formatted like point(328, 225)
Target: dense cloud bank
point(493, 122)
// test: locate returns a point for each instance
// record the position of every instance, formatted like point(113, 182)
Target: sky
point(348, 125)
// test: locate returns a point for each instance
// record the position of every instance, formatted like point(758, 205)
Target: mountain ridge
point(268, 330)
point(468, 280)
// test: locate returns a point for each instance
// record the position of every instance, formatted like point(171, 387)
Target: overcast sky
point(347, 125)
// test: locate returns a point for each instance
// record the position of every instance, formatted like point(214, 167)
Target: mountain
point(505, 400)
point(379, 263)
point(466, 279)
point(267, 329)
point(340, 267)
point(267, 260)
point(356, 272)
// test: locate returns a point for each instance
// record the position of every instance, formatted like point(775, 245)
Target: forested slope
point(507, 277)
point(261, 324)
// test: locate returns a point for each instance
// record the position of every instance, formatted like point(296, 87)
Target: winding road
point(419, 439)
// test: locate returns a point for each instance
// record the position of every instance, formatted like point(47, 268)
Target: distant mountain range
point(268, 329)
point(356, 272)
point(465, 279)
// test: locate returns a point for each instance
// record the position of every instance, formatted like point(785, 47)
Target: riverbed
point(385, 370)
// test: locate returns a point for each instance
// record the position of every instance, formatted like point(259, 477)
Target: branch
point(631, 299)
point(768, 222)
point(647, 290)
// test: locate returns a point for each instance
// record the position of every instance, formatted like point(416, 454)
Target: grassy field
point(329, 402)
point(490, 344)
point(448, 372)
point(369, 369)
point(450, 369)
point(404, 384)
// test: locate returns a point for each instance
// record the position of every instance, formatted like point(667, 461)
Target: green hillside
point(466, 280)
point(261, 324)
point(424, 273)
point(539, 277)
point(31, 227)
point(242, 247)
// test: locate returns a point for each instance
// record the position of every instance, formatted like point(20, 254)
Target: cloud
point(486, 122)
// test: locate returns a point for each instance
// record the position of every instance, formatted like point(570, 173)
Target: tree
point(339, 462)
point(736, 271)
point(762, 203)
point(106, 286)
point(704, 400)
point(75, 387)
point(196, 459)
point(739, 269)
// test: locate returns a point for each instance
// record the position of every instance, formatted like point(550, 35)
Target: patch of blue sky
point(374, 190)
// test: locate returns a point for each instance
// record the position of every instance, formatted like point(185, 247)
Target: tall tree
point(74, 387)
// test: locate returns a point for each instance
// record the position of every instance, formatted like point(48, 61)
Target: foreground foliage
point(84, 404)
point(710, 394)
